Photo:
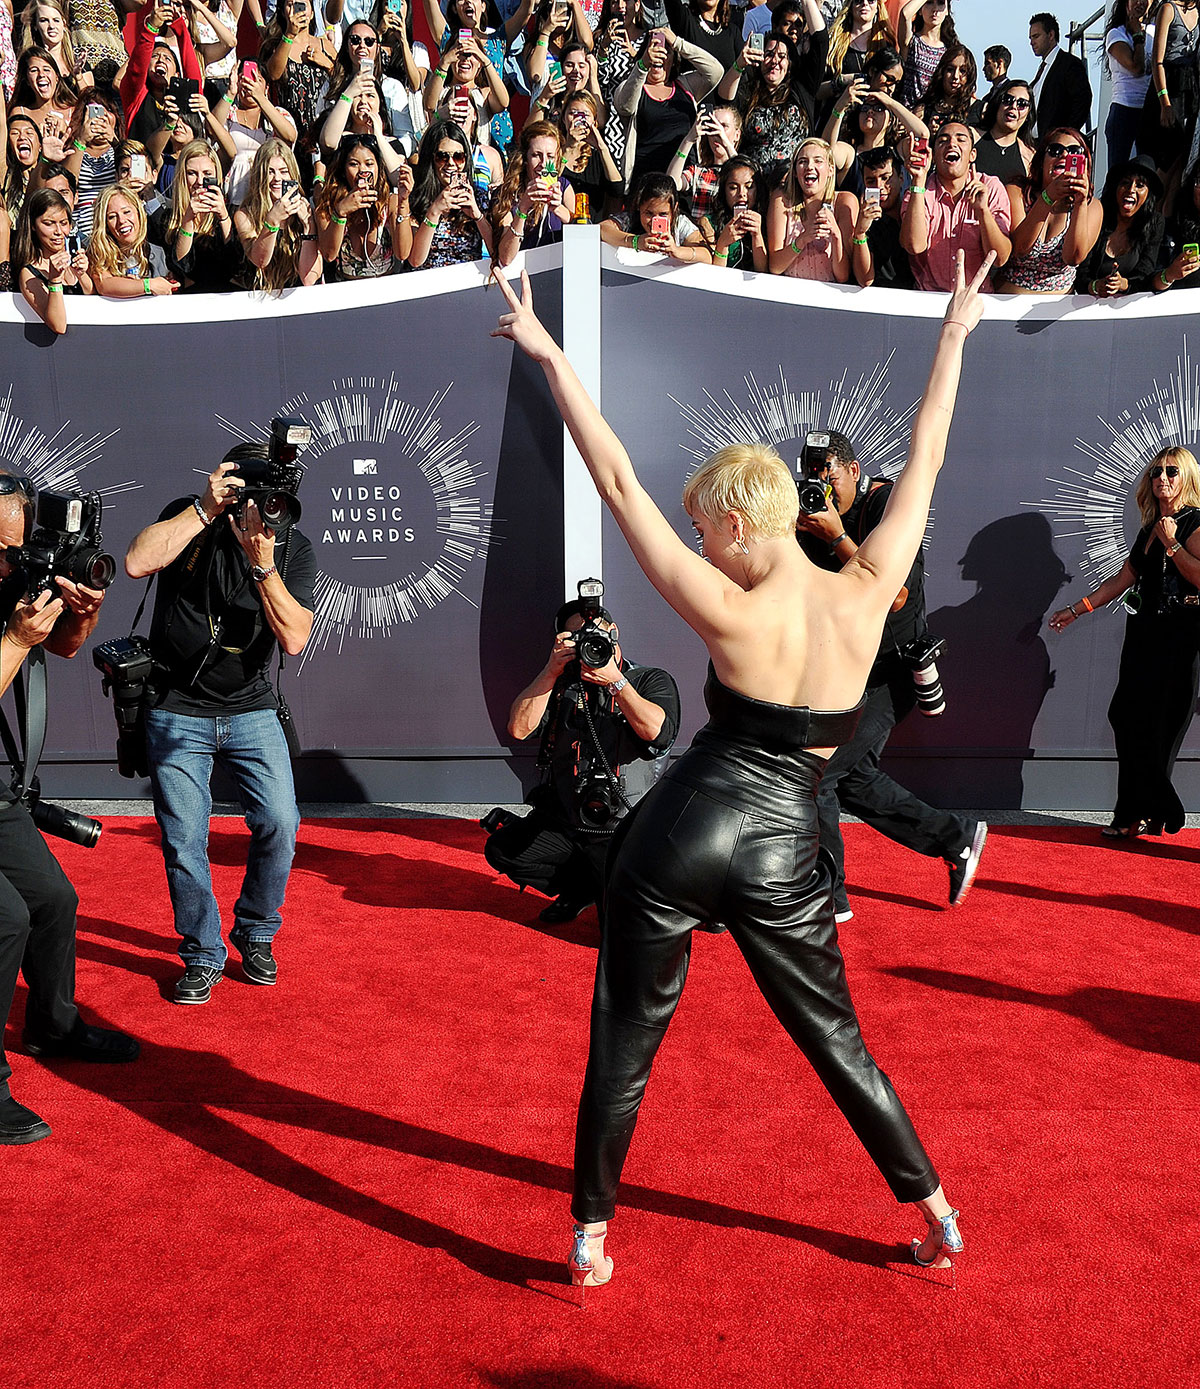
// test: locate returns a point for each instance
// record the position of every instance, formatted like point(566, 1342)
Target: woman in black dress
point(730, 833)
point(1152, 706)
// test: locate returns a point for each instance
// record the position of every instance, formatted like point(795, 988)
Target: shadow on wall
point(996, 668)
point(523, 585)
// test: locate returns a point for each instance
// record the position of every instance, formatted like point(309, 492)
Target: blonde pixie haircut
point(752, 480)
point(1189, 476)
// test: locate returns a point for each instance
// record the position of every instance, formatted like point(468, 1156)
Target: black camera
point(598, 801)
point(814, 458)
point(65, 543)
point(61, 822)
point(594, 646)
point(922, 656)
point(126, 665)
point(272, 482)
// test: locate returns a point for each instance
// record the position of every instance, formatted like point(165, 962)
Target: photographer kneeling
point(839, 507)
point(603, 722)
point(37, 903)
point(229, 593)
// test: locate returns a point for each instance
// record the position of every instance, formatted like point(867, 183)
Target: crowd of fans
point(846, 142)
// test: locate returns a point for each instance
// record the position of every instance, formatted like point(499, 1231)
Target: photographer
point(830, 536)
point(37, 903)
point(230, 591)
point(630, 711)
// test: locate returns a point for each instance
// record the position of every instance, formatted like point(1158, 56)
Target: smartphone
point(95, 112)
point(250, 70)
point(871, 197)
point(462, 93)
point(553, 72)
point(920, 145)
point(561, 13)
point(1190, 248)
point(660, 226)
point(366, 63)
point(1073, 164)
point(208, 181)
point(757, 42)
point(139, 168)
point(466, 34)
point(286, 187)
point(74, 243)
point(183, 89)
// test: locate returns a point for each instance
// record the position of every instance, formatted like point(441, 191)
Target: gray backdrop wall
point(434, 496)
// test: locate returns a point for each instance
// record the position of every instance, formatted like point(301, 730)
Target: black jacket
point(1066, 95)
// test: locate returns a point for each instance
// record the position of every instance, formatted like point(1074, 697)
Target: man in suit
point(1060, 87)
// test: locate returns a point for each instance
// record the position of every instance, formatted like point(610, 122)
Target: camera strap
point(613, 779)
point(29, 696)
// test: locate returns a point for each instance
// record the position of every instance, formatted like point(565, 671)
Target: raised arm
point(695, 590)
point(887, 554)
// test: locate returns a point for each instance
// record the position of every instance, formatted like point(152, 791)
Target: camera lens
point(95, 569)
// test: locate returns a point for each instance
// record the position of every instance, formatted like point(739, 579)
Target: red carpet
point(358, 1177)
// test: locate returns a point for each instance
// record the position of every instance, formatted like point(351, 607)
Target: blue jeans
point(253, 750)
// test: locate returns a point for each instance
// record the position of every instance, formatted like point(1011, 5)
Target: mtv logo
point(366, 467)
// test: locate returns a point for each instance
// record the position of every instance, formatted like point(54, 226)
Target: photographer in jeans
point(632, 712)
point(230, 592)
point(853, 780)
point(37, 903)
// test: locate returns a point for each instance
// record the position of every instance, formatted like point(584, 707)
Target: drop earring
point(743, 547)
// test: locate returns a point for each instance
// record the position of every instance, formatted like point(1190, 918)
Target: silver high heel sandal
point(587, 1258)
point(952, 1242)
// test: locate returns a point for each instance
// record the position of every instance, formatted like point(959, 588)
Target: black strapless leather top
point(755, 756)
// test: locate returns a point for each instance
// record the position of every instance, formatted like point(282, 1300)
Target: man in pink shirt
point(960, 210)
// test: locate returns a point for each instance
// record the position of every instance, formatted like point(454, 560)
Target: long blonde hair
point(181, 197)
point(750, 479)
point(282, 270)
point(31, 39)
point(105, 256)
point(839, 35)
point(1189, 472)
point(791, 189)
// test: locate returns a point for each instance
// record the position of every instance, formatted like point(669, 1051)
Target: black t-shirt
point(903, 626)
point(725, 45)
point(573, 752)
point(210, 639)
point(893, 269)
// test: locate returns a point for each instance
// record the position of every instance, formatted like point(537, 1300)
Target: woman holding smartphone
point(1056, 220)
point(658, 103)
point(250, 117)
point(449, 210)
point(808, 233)
point(1155, 697)
point(734, 230)
point(577, 73)
point(588, 165)
point(466, 69)
point(617, 41)
point(124, 263)
point(657, 224)
point(401, 70)
point(1125, 257)
point(924, 30)
point(203, 252)
point(478, 24)
point(363, 227)
point(275, 224)
point(43, 263)
point(878, 122)
point(535, 200)
point(715, 136)
point(729, 833)
point(775, 90)
point(297, 60)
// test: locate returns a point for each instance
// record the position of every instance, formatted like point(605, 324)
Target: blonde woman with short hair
point(730, 832)
point(1159, 674)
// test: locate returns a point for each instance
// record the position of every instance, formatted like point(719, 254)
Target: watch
point(618, 685)
point(258, 573)
point(1172, 548)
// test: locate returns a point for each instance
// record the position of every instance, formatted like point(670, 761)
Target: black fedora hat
point(1143, 165)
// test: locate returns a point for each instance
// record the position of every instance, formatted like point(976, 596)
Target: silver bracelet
point(200, 511)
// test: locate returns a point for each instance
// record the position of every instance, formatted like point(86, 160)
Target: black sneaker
point(196, 986)
point(83, 1043)
point(966, 865)
point(20, 1125)
point(258, 964)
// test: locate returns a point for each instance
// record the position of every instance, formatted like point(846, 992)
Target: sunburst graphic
point(391, 502)
point(50, 461)
point(776, 414)
point(1090, 504)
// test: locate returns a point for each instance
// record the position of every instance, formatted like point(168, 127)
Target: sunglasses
point(1057, 151)
point(363, 40)
point(16, 482)
point(451, 157)
point(870, 105)
point(1018, 103)
point(1168, 470)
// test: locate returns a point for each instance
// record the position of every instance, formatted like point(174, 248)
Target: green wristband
point(443, 73)
point(338, 221)
point(79, 145)
point(635, 242)
point(267, 227)
point(1047, 199)
point(345, 96)
point(150, 29)
point(860, 240)
point(146, 286)
point(428, 223)
point(54, 288)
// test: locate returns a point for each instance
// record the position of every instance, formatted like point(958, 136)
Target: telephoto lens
point(66, 824)
point(922, 657)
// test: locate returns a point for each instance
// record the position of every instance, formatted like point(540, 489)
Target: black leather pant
point(685, 857)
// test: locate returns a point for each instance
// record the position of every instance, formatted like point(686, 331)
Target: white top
point(1128, 90)
point(1043, 72)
